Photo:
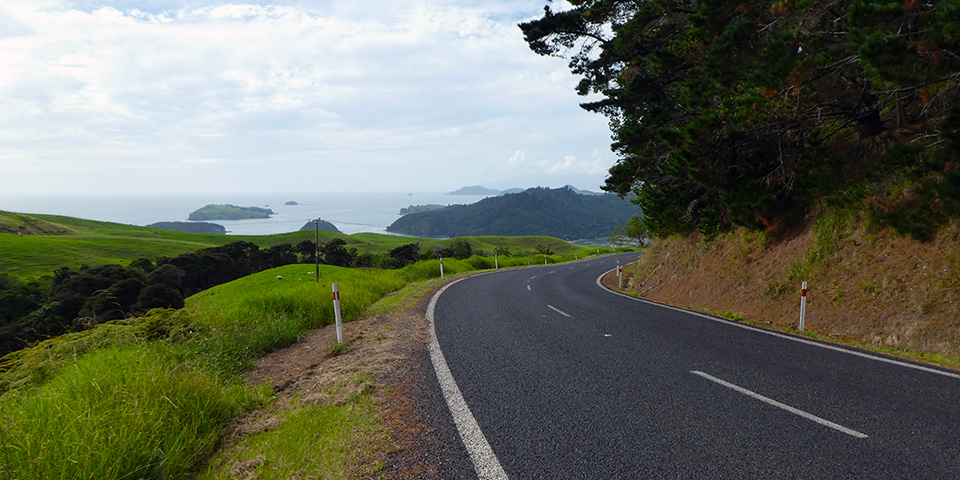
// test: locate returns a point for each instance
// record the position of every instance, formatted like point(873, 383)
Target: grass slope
point(151, 397)
point(49, 242)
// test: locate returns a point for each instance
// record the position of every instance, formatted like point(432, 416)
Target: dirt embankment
point(874, 288)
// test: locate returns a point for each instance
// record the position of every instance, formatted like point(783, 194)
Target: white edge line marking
point(770, 401)
point(781, 335)
point(484, 460)
point(529, 289)
point(561, 312)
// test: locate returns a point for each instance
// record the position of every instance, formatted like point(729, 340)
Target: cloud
point(388, 90)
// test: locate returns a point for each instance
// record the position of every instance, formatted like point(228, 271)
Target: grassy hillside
point(50, 241)
point(35, 245)
point(151, 397)
point(67, 411)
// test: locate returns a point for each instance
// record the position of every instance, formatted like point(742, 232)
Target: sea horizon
point(349, 212)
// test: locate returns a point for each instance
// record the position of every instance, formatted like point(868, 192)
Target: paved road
point(569, 380)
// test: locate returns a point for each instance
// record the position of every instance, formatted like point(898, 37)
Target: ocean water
point(350, 212)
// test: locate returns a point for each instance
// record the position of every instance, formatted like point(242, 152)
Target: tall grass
point(260, 313)
point(149, 397)
point(119, 412)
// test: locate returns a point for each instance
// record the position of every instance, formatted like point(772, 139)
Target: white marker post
point(544, 259)
point(336, 312)
point(496, 262)
point(316, 255)
point(803, 305)
point(619, 276)
point(441, 268)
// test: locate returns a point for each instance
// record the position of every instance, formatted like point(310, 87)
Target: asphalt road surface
point(555, 377)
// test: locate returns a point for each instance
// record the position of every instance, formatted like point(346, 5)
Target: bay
point(350, 212)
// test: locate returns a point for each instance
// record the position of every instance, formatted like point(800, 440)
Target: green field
point(150, 397)
point(50, 242)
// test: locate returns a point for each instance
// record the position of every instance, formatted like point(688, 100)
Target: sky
point(197, 96)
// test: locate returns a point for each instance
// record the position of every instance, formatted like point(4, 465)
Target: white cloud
point(393, 92)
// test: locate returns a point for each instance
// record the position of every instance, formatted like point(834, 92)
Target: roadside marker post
point(544, 259)
point(496, 262)
point(336, 312)
point(619, 276)
point(441, 268)
point(316, 255)
point(803, 305)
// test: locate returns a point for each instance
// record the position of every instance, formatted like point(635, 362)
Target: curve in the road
point(777, 334)
point(484, 460)
point(633, 408)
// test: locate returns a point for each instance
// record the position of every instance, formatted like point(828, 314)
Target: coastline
point(350, 212)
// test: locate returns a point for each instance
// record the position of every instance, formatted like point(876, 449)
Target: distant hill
point(561, 213)
point(191, 227)
point(325, 226)
point(474, 190)
point(229, 212)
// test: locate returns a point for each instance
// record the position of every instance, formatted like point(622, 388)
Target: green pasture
point(56, 241)
point(151, 397)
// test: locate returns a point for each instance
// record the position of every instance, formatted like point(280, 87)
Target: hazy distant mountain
point(561, 213)
point(474, 190)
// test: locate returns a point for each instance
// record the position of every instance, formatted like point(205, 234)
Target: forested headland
point(561, 212)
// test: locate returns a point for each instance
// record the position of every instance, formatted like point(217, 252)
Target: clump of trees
point(72, 300)
point(751, 113)
point(76, 299)
point(631, 233)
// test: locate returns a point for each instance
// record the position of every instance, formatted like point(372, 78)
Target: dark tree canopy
point(335, 253)
point(750, 112)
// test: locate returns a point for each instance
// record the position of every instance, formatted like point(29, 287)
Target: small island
point(291, 202)
point(229, 212)
point(191, 227)
point(324, 226)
